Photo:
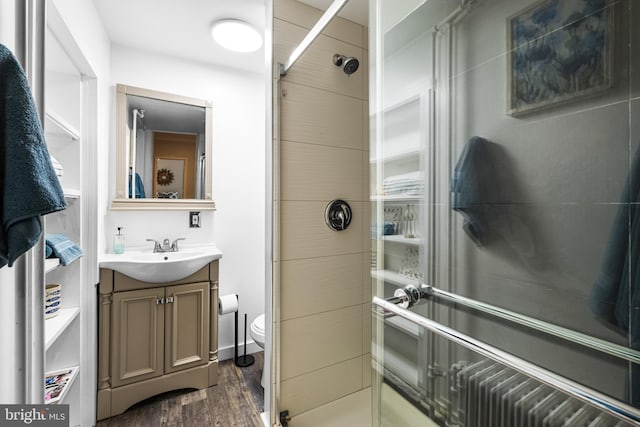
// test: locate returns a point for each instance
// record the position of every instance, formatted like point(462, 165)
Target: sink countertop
point(143, 264)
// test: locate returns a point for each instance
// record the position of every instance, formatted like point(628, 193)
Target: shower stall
point(504, 196)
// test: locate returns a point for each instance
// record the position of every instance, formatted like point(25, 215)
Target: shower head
point(348, 64)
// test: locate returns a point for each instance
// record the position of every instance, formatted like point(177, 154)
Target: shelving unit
point(398, 162)
point(416, 241)
point(51, 264)
point(56, 326)
point(63, 344)
point(57, 125)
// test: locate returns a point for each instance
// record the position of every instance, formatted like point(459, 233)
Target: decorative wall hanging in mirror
point(164, 144)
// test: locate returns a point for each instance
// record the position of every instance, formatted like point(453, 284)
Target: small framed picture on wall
point(559, 51)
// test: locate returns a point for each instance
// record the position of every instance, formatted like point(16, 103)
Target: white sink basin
point(142, 264)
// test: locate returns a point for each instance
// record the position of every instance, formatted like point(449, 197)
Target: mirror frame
point(121, 201)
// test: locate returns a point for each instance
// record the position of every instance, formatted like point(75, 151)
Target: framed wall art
point(559, 51)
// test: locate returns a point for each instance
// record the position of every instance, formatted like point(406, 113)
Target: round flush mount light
point(236, 35)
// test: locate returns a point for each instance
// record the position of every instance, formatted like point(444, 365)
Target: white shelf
point(51, 264)
point(404, 325)
point(62, 126)
point(56, 325)
point(394, 278)
point(396, 198)
point(397, 238)
point(71, 193)
point(402, 103)
point(399, 155)
point(71, 373)
point(401, 366)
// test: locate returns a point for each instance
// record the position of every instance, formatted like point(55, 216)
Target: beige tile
point(277, 237)
point(366, 328)
point(306, 16)
point(314, 172)
point(365, 125)
point(353, 410)
point(364, 63)
point(317, 285)
point(366, 370)
point(286, 37)
point(304, 233)
point(315, 67)
point(314, 342)
point(365, 38)
point(317, 388)
point(320, 117)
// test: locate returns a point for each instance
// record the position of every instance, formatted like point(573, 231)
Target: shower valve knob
point(338, 215)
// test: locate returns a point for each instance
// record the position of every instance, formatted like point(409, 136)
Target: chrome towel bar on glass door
point(426, 291)
point(602, 402)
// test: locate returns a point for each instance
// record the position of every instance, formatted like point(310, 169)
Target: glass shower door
point(504, 191)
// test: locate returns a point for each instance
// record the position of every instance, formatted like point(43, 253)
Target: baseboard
point(225, 353)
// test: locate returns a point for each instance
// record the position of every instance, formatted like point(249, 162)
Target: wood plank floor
point(237, 400)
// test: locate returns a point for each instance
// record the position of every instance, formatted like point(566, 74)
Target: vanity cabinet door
point(138, 335)
point(187, 326)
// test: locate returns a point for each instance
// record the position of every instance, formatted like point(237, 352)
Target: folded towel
point(29, 186)
point(61, 247)
point(409, 184)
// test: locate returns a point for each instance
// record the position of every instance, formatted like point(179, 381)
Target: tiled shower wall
point(325, 295)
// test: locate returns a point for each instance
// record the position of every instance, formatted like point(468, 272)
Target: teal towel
point(28, 183)
point(471, 187)
point(62, 248)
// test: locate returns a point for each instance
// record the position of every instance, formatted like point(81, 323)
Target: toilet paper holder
point(246, 359)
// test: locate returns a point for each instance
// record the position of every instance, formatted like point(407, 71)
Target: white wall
point(237, 227)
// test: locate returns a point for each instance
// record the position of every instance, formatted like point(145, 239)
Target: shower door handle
point(410, 295)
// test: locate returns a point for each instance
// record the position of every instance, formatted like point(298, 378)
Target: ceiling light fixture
point(236, 35)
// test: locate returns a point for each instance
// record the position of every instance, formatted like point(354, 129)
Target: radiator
point(487, 394)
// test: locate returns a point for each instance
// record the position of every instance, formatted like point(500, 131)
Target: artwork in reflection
point(170, 178)
point(558, 51)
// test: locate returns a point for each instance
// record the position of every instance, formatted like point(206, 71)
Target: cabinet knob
point(169, 300)
point(159, 301)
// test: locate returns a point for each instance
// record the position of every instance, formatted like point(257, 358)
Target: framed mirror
point(164, 145)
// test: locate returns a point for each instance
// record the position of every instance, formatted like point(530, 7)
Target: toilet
point(257, 334)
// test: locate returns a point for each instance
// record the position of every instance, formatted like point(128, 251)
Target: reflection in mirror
point(164, 145)
point(166, 149)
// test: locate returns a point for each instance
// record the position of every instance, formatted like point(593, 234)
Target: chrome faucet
point(165, 246)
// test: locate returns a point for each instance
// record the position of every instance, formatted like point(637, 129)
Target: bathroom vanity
point(155, 337)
